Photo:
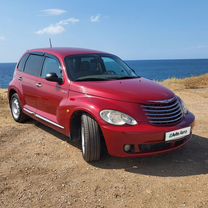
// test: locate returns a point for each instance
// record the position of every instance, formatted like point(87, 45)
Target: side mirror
point(52, 77)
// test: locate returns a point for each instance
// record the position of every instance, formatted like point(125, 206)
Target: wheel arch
point(75, 125)
point(13, 90)
point(10, 93)
point(76, 117)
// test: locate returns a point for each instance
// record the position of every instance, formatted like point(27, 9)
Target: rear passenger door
point(31, 81)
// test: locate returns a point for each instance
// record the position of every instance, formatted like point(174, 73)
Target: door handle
point(38, 85)
point(20, 79)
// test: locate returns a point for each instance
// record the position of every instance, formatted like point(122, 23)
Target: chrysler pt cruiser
point(96, 98)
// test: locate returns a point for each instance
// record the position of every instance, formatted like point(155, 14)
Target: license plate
point(177, 134)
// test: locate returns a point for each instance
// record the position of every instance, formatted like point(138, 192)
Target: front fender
point(79, 102)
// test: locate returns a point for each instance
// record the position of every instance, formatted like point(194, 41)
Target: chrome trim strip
point(49, 121)
point(163, 101)
point(170, 121)
point(153, 115)
point(28, 111)
point(165, 118)
point(158, 110)
point(160, 107)
point(44, 119)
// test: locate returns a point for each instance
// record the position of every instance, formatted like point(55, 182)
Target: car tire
point(16, 109)
point(90, 138)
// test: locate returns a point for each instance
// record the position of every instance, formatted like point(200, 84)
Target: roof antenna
point(50, 43)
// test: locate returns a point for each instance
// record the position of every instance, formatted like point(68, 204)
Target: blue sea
point(152, 69)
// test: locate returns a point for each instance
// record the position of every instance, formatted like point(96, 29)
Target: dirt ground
point(39, 168)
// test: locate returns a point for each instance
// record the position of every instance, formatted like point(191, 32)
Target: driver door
point(51, 93)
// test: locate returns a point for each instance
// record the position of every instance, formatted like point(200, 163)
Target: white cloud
point(95, 18)
point(71, 20)
point(57, 28)
point(51, 30)
point(52, 12)
point(2, 38)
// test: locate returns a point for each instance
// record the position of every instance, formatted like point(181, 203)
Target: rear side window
point(34, 65)
point(51, 65)
point(21, 63)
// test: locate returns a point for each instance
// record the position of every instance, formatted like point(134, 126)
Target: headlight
point(183, 106)
point(117, 118)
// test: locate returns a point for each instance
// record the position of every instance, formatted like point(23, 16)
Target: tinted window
point(34, 64)
point(51, 66)
point(83, 66)
point(21, 64)
point(97, 67)
point(113, 67)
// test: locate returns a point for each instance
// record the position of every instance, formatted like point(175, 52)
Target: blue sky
point(134, 29)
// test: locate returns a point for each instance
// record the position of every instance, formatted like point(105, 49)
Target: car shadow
point(55, 133)
point(192, 159)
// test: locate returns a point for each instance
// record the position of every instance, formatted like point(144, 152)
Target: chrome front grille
point(165, 112)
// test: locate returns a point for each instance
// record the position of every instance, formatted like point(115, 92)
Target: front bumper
point(145, 139)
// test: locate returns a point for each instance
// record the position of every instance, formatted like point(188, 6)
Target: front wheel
point(90, 136)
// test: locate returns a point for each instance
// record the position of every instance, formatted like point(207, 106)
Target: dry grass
point(3, 96)
point(187, 83)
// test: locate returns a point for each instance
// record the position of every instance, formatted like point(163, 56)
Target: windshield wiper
point(90, 79)
point(104, 79)
point(126, 77)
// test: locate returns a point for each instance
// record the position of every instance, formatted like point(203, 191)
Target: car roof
point(64, 51)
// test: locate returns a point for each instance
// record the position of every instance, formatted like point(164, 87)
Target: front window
point(97, 67)
point(51, 66)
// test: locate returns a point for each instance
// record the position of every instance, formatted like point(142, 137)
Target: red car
point(98, 99)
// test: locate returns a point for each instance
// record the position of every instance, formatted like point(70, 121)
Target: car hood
point(139, 90)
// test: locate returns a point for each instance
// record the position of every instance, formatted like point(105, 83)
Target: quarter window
point(34, 65)
point(51, 66)
point(21, 63)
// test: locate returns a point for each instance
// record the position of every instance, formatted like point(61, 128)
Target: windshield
point(97, 67)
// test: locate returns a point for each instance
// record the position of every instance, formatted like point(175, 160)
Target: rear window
point(34, 65)
point(21, 63)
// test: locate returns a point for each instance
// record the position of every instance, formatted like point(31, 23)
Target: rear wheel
point(16, 109)
point(91, 139)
